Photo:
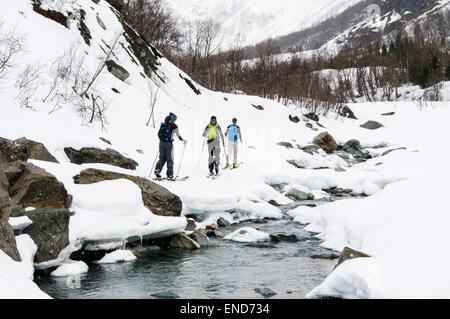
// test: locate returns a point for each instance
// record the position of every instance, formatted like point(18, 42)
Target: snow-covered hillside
point(402, 223)
point(258, 20)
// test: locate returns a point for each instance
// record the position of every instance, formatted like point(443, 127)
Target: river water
point(222, 270)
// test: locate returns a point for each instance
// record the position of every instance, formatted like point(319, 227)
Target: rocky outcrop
point(95, 155)
point(11, 151)
point(117, 70)
point(294, 119)
point(348, 254)
point(312, 116)
point(179, 241)
point(37, 188)
point(372, 125)
point(345, 111)
point(37, 150)
point(156, 198)
point(49, 231)
point(7, 239)
point(326, 142)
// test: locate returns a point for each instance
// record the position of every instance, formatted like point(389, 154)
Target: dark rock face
point(326, 142)
point(11, 151)
point(324, 256)
point(191, 225)
point(349, 253)
point(294, 119)
point(312, 116)
point(278, 238)
point(117, 70)
point(50, 232)
point(37, 188)
point(372, 125)
point(94, 155)
point(222, 222)
point(345, 111)
point(158, 199)
point(7, 239)
point(37, 150)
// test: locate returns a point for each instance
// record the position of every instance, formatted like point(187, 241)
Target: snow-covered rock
point(247, 235)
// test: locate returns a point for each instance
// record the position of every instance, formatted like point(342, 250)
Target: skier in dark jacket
point(166, 136)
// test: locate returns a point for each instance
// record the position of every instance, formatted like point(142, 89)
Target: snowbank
point(16, 278)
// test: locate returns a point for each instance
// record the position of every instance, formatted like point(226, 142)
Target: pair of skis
point(165, 179)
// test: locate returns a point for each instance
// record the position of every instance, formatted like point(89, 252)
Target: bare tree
point(153, 91)
point(28, 82)
point(11, 44)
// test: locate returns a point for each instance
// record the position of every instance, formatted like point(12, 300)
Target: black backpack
point(165, 132)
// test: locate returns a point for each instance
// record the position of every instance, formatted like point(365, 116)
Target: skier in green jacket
point(213, 132)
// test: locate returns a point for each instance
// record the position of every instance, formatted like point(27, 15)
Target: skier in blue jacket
point(234, 134)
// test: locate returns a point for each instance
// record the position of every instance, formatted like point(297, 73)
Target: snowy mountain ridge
point(258, 20)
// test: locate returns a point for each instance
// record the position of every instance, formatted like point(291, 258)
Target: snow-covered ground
point(403, 220)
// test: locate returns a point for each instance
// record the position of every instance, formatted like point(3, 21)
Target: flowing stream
point(223, 270)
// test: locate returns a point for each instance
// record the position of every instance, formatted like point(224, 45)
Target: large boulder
point(348, 254)
point(372, 125)
point(326, 142)
point(37, 150)
point(95, 155)
point(156, 198)
point(49, 231)
point(7, 239)
point(11, 151)
point(37, 188)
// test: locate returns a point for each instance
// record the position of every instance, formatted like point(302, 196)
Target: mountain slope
point(259, 19)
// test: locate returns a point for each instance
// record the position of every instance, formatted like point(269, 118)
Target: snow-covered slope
point(113, 211)
point(259, 19)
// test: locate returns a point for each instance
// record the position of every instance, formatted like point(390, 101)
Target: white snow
point(70, 269)
point(403, 220)
point(16, 278)
point(117, 257)
point(20, 222)
point(247, 235)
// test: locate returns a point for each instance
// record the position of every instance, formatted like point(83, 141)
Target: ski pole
point(179, 168)
point(154, 163)
point(198, 163)
point(242, 154)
